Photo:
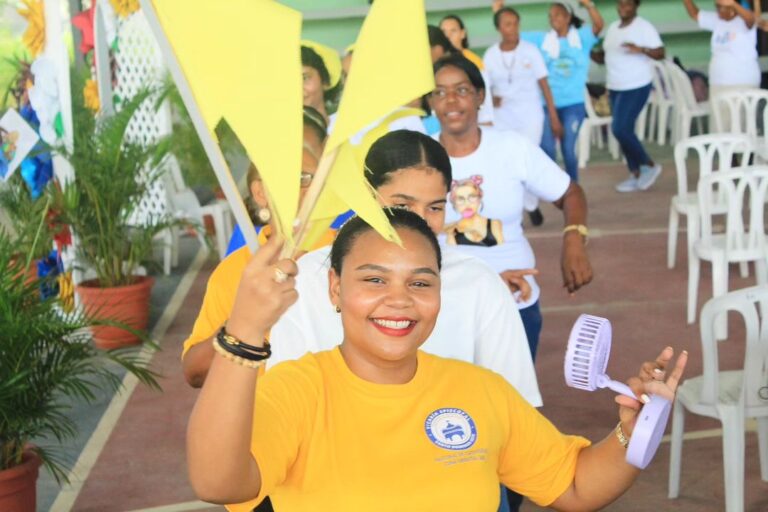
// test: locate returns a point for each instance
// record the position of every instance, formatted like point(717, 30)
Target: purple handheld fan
point(589, 347)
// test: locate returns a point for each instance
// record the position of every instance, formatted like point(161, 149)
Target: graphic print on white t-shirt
point(734, 51)
point(466, 197)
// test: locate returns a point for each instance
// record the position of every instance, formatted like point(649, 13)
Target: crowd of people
point(369, 376)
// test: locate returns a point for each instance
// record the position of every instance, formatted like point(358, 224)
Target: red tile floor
point(141, 465)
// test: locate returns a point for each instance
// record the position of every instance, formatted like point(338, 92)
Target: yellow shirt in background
point(473, 58)
point(325, 439)
point(222, 287)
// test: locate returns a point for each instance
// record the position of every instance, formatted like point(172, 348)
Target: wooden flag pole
point(212, 149)
point(310, 201)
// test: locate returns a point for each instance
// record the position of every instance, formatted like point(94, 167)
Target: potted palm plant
point(46, 359)
point(113, 173)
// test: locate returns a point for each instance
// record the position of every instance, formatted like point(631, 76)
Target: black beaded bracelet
point(239, 348)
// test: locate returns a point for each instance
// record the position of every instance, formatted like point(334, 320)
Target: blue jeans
point(531, 317)
point(625, 109)
point(571, 118)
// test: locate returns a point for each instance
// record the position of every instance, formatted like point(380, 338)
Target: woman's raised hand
point(655, 378)
point(267, 288)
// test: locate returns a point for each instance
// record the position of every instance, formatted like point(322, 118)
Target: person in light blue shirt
point(566, 49)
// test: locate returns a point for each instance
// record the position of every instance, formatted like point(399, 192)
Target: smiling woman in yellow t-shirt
point(376, 424)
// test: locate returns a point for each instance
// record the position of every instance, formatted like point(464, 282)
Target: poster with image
point(17, 139)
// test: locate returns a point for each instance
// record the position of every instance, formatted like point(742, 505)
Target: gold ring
point(280, 276)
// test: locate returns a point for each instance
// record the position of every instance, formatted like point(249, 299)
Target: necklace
point(509, 66)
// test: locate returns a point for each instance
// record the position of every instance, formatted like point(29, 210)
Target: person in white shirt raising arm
point(734, 62)
point(630, 44)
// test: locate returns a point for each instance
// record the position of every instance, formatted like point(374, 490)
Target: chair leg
point(676, 449)
point(733, 459)
point(167, 240)
point(693, 285)
point(720, 288)
point(613, 145)
point(674, 221)
point(583, 144)
point(175, 248)
point(762, 442)
point(661, 129)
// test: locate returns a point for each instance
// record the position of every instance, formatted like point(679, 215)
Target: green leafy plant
point(113, 173)
point(33, 238)
point(46, 360)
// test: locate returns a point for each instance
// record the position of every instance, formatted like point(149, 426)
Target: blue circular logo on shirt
point(451, 428)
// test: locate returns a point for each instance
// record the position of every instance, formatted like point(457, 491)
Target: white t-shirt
point(514, 76)
point(478, 321)
point(510, 166)
point(627, 70)
point(411, 122)
point(734, 51)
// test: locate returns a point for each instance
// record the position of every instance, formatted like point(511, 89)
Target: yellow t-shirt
point(325, 439)
point(473, 58)
point(221, 290)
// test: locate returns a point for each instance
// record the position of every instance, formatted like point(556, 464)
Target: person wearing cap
point(321, 75)
point(565, 48)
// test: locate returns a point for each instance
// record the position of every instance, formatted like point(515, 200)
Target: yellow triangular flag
point(258, 93)
point(371, 92)
point(389, 68)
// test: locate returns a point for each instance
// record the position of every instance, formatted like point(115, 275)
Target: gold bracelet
point(623, 440)
point(580, 228)
point(237, 359)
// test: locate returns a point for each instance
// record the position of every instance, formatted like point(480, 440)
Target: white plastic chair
point(742, 191)
point(714, 152)
point(743, 109)
point(729, 396)
point(660, 104)
point(593, 126)
point(184, 204)
point(686, 108)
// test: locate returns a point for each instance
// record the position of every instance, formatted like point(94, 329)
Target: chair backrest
point(182, 201)
point(682, 90)
point(662, 82)
point(750, 303)
point(739, 111)
point(742, 191)
point(715, 152)
point(588, 106)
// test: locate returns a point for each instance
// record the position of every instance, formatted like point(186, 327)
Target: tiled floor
point(142, 464)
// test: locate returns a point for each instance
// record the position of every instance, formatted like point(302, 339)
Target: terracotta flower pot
point(18, 485)
point(126, 304)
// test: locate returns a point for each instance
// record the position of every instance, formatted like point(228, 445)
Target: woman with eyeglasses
point(508, 165)
point(222, 285)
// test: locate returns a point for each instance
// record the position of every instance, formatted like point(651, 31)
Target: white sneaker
point(630, 185)
point(648, 176)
